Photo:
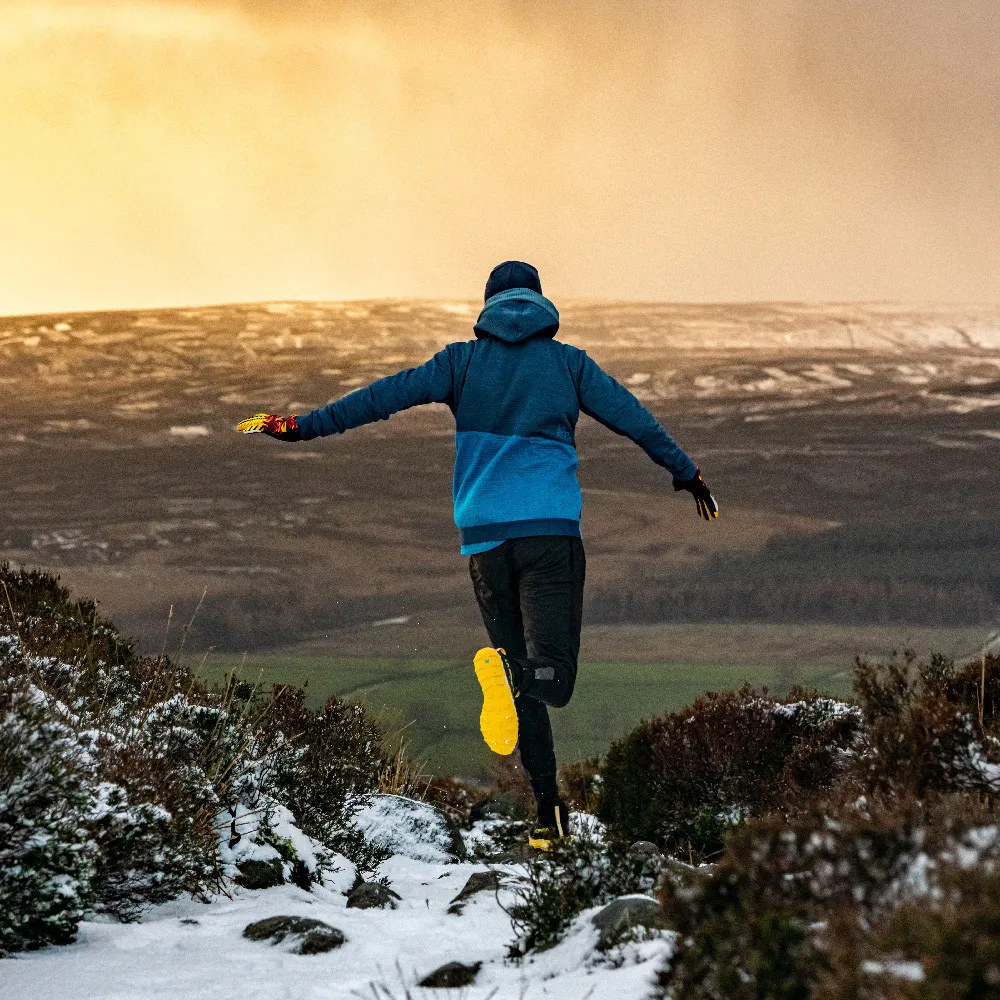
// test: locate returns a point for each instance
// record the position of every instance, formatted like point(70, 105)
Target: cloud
point(179, 152)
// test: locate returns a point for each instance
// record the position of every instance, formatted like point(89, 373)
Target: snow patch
point(910, 971)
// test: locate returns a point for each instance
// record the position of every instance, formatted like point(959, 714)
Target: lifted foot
point(498, 719)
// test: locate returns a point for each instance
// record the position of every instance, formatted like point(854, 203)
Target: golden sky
point(173, 152)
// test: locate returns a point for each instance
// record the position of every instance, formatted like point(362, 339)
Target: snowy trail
point(167, 955)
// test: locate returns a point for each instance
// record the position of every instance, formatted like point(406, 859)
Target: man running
point(516, 394)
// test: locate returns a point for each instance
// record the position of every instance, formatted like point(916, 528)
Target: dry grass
point(401, 775)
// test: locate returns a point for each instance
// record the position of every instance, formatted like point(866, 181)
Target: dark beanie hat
point(512, 274)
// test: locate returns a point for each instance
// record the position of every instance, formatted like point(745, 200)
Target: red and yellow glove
point(698, 488)
point(282, 428)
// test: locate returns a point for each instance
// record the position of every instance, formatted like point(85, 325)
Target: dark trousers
point(530, 593)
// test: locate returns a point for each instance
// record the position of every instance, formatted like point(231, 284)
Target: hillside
point(852, 447)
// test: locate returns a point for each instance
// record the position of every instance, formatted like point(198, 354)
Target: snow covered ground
point(192, 950)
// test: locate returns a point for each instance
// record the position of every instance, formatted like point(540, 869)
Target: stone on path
point(305, 935)
point(453, 975)
point(372, 896)
point(478, 882)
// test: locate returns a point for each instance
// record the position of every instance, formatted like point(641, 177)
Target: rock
point(624, 913)
point(478, 882)
point(260, 874)
point(453, 975)
point(306, 936)
point(644, 850)
point(372, 896)
point(412, 829)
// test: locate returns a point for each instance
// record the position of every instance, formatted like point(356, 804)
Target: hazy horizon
point(174, 153)
point(567, 300)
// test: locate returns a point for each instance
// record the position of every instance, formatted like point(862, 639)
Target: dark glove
point(282, 428)
point(698, 488)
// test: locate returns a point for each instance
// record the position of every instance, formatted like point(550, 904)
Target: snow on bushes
point(122, 777)
point(802, 907)
point(682, 779)
point(47, 853)
point(929, 726)
point(873, 884)
point(587, 870)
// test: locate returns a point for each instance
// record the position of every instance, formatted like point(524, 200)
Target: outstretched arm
point(430, 383)
point(611, 404)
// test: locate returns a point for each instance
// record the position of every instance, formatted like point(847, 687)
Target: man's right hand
point(698, 488)
point(282, 428)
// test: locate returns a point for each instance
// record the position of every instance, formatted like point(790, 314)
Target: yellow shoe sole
point(498, 719)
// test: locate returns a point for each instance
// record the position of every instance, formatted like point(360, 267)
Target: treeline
point(836, 601)
point(870, 573)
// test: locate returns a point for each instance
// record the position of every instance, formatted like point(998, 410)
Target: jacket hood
point(517, 314)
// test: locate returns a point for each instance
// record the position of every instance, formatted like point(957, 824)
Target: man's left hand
point(698, 488)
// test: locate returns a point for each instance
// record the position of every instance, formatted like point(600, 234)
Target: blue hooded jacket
point(516, 394)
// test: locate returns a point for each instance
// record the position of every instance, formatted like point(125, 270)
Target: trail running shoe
point(553, 824)
point(498, 719)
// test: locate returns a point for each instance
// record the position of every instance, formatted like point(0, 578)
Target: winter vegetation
point(124, 782)
point(746, 846)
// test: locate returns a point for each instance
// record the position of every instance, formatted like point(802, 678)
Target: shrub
point(454, 796)
point(681, 780)
point(739, 941)
point(574, 875)
point(132, 763)
point(922, 725)
point(332, 761)
point(47, 854)
point(948, 943)
point(580, 784)
point(801, 907)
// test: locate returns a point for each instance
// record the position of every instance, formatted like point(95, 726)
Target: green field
point(435, 703)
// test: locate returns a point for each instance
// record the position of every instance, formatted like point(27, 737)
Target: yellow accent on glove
point(707, 509)
point(282, 428)
point(255, 424)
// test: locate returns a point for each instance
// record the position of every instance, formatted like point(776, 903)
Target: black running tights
point(530, 593)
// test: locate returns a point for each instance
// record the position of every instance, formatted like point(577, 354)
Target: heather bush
point(802, 906)
point(946, 945)
point(332, 759)
point(574, 875)
point(857, 846)
point(580, 784)
point(681, 780)
point(139, 771)
point(924, 727)
point(47, 853)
